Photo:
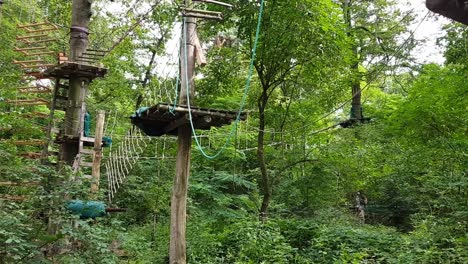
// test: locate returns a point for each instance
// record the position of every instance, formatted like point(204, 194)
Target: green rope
point(244, 97)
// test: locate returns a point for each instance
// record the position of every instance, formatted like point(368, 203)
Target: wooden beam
point(11, 183)
point(87, 139)
point(33, 24)
point(205, 12)
point(86, 164)
point(53, 28)
point(97, 156)
point(215, 2)
point(32, 142)
point(29, 48)
point(31, 36)
point(18, 198)
point(38, 53)
point(34, 89)
point(36, 66)
point(39, 41)
point(27, 61)
point(35, 101)
point(176, 123)
point(31, 155)
point(197, 15)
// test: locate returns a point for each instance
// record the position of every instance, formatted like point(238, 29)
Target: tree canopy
point(284, 190)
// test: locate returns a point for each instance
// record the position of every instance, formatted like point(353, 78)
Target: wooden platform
point(158, 120)
point(454, 9)
point(354, 121)
point(67, 69)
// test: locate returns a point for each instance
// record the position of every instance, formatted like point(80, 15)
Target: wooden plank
point(38, 53)
point(29, 48)
point(214, 2)
point(53, 28)
point(36, 66)
point(33, 24)
point(196, 15)
point(86, 164)
point(27, 61)
point(31, 36)
point(30, 102)
point(38, 41)
point(87, 151)
point(18, 198)
point(31, 155)
point(28, 142)
point(35, 114)
point(87, 139)
point(11, 183)
point(35, 89)
point(204, 12)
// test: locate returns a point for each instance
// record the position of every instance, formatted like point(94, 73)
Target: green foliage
point(410, 160)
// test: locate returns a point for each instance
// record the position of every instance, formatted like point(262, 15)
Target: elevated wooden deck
point(158, 120)
point(67, 69)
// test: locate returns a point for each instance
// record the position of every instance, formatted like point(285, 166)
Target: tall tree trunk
point(356, 108)
point(265, 183)
point(81, 14)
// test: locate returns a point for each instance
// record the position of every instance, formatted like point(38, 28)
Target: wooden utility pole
point(81, 14)
point(177, 253)
point(97, 155)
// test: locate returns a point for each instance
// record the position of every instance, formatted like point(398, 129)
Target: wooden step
point(35, 101)
point(86, 164)
point(31, 36)
point(87, 139)
point(35, 114)
point(10, 197)
point(38, 41)
point(29, 48)
point(35, 89)
point(27, 61)
point(87, 151)
point(36, 66)
point(11, 183)
point(31, 155)
point(33, 24)
point(32, 142)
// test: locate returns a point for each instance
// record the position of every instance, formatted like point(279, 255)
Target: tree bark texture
point(265, 183)
point(81, 14)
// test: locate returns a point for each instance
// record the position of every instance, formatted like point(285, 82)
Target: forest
point(308, 131)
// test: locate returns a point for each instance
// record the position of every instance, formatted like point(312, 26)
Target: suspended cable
point(244, 97)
